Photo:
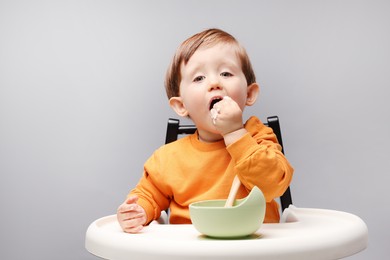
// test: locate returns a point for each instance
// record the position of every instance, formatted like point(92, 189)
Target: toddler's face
point(211, 73)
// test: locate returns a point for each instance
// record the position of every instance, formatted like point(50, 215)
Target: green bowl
point(212, 219)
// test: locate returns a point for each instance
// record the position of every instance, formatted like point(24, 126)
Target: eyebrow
point(191, 71)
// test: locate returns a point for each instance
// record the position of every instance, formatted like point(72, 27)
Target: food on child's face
point(214, 101)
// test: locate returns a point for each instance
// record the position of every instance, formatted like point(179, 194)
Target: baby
point(210, 81)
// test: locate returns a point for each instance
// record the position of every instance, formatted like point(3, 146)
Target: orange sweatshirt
point(188, 170)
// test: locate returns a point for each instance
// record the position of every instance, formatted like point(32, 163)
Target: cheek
point(239, 97)
point(192, 100)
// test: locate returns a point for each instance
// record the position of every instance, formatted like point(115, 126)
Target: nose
point(214, 84)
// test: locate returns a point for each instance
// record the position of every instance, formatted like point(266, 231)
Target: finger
point(133, 230)
point(132, 199)
point(124, 208)
point(133, 225)
point(132, 215)
point(214, 113)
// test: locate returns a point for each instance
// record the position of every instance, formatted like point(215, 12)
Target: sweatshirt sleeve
point(259, 161)
point(151, 194)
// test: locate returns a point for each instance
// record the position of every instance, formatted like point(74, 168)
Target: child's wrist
point(233, 136)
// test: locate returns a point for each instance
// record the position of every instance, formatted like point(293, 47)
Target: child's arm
point(260, 162)
point(131, 216)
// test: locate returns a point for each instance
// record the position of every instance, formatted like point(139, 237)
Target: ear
point(252, 93)
point(178, 106)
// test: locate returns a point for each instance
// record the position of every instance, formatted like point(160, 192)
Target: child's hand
point(226, 116)
point(131, 216)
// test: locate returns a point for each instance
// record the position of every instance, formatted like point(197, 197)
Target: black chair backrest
point(174, 129)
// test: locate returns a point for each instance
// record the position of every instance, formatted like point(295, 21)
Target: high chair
point(303, 233)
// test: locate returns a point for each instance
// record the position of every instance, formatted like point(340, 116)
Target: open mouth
point(214, 101)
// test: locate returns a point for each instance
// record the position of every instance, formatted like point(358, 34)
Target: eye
point(226, 74)
point(199, 78)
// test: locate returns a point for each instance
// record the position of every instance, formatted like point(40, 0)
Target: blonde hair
point(207, 38)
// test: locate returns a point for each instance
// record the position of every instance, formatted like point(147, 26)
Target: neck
point(208, 137)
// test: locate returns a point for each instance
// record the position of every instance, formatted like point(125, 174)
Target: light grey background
point(82, 106)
